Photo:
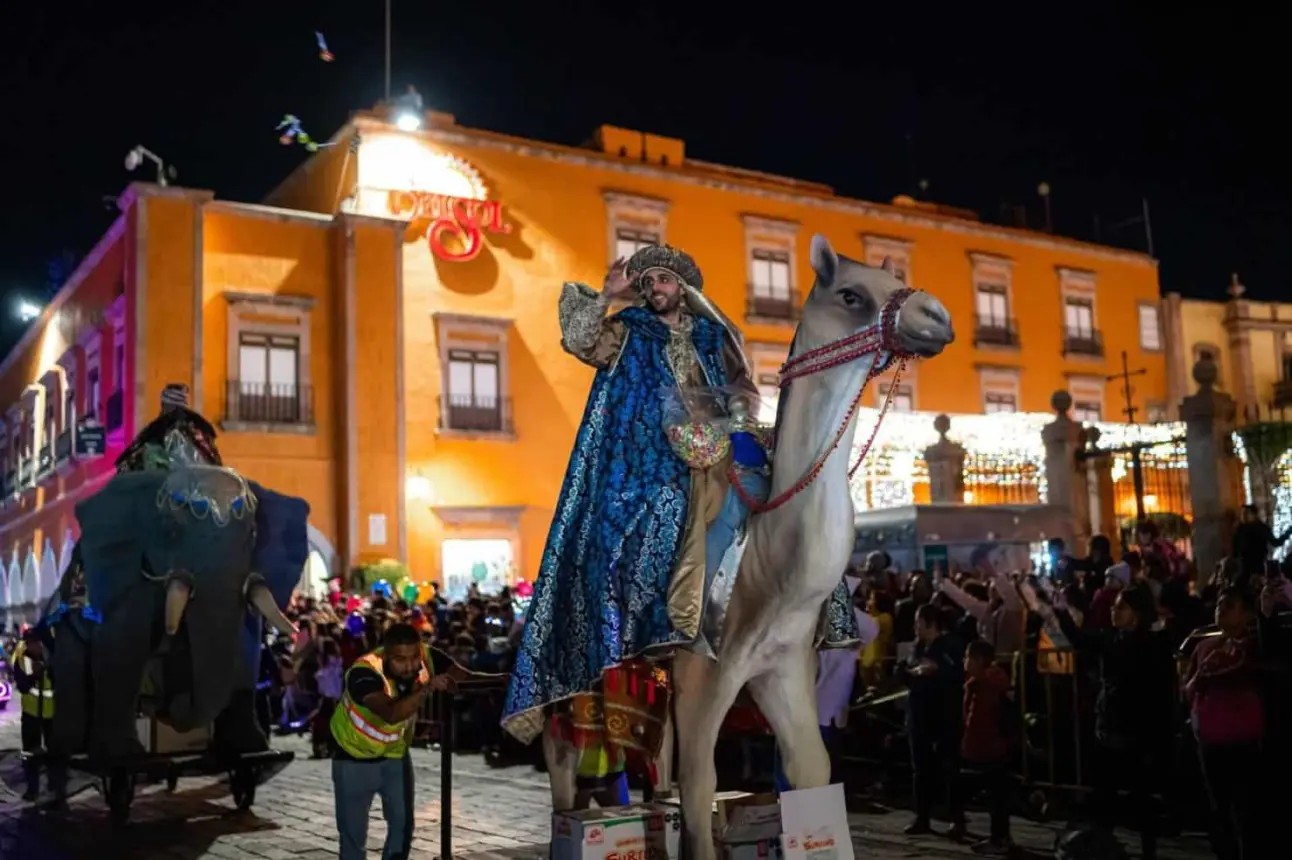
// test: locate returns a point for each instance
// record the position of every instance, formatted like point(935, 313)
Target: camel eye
point(850, 298)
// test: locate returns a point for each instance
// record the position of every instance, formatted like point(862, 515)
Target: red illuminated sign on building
point(450, 218)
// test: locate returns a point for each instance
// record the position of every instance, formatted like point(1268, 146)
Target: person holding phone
point(372, 728)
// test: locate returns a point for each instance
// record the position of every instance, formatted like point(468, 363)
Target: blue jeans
point(355, 783)
point(734, 513)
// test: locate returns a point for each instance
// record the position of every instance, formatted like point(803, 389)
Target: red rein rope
point(872, 339)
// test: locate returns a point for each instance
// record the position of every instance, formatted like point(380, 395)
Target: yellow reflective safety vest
point(39, 701)
point(361, 733)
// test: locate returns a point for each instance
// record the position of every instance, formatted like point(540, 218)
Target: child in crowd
point(985, 748)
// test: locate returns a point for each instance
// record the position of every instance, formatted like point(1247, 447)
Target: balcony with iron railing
point(995, 331)
point(115, 411)
point(1282, 393)
point(1088, 342)
point(63, 447)
point(467, 413)
point(765, 304)
point(268, 403)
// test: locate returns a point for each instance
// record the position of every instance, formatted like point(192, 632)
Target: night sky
point(1107, 106)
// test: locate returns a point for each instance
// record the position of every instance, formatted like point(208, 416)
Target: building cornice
point(765, 189)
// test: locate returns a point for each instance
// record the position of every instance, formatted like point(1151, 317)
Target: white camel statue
point(797, 550)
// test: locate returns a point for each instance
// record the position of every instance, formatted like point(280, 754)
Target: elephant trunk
point(178, 593)
point(260, 598)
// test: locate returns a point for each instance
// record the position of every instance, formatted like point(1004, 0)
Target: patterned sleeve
point(586, 333)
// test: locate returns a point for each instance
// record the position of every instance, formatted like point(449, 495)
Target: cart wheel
point(119, 792)
point(242, 783)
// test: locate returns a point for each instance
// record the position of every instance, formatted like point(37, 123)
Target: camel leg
point(704, 695)
point(664, 762)
point(562, 769)
point(787, 697)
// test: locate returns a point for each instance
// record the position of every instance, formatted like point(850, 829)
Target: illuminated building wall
point(496, 224)
point(275, 319)
point(415, 391)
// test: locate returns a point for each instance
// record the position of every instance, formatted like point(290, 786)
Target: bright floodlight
point(408, 121)
point(27, 311)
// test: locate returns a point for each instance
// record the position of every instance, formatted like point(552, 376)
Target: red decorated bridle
point(876, 339)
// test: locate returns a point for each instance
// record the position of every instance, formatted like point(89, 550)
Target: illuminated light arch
point(47, 580)
point(30, 581)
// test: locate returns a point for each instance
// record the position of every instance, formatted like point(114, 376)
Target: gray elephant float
point(180, 564)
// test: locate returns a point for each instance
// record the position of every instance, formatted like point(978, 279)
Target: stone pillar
point(1099, 485)
point(1065, 477)
point(946, 462)
point(1209, 423)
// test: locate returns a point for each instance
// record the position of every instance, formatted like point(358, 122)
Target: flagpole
point(388, 50)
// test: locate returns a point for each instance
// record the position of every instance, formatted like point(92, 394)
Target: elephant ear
point(282, 540)
point(111, 551)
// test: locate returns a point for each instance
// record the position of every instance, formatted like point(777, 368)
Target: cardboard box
point(637, 832)
point(758, 849)
point(815, 824)
point(157, 737)
point(741, 817)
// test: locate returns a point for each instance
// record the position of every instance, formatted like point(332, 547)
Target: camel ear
point(888, 266)
point(824, 260)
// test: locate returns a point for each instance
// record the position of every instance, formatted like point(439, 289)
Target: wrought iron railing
point(995, 331)
point(115, 411)
point(775, 305)
point(268, 403)
point(472, 413)
point(1083, 342)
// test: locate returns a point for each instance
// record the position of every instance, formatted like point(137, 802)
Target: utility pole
point(1148, 226)
point(388, 51)
point(1125, 378)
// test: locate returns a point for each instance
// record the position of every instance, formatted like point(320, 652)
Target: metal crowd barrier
point(437, 723)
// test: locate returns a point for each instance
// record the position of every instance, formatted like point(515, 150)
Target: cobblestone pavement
point(497, 815)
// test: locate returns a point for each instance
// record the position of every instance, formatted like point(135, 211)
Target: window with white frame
point(999, 387)
point(269, 363)
point(1079, 317)
point(1150, 328)
point(769, 393)
point(898, 251)
point(633, 222)
point(629, 241)
point(93, 393)
point(999, 401)
point(268, 377)
point(771, 274)
point(902, 398)
point(1086, 411)
point(992, 301)
point(474, 396)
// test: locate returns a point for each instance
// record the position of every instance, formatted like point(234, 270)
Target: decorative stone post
point(1099, 484)
point(946, 462)
point(1209, 424)
point(1065, 477)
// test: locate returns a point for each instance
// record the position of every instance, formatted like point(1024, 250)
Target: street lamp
point(28, 311)
point(1044, 191)
point(408, 111)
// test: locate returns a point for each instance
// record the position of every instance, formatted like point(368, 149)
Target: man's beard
point(671, 303)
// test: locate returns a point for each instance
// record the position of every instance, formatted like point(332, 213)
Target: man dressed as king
point(637, 534)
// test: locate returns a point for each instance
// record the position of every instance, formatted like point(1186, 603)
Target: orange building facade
point(382, 338)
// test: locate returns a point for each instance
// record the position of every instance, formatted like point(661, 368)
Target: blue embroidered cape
point(601, 592)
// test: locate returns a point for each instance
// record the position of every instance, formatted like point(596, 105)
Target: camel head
point(847, 296)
